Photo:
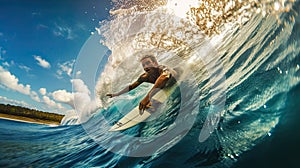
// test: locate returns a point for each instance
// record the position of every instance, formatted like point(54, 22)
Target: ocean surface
point(237, 103)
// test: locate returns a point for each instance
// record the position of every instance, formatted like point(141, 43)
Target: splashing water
point(242, 58)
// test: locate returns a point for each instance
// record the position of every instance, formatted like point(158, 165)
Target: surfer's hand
point(145, 103)
point(110, 95)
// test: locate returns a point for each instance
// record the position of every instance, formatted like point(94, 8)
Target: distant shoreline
point(27, 119)
point(24, 114)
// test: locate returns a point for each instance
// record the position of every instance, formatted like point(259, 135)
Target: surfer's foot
point(141, 112)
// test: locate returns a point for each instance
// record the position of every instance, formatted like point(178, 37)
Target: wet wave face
point(240, 62)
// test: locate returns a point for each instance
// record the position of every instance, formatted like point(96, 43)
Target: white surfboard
point(133, 117)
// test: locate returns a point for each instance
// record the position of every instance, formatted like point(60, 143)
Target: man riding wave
point(159, 75)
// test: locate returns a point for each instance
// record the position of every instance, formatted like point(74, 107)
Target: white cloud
point(6, 100)
point(51, 103)
point(12, 63)
point(64, 97)
point(66, 67)
point(80, 97)
point(41, 26)
point(48, 101)
point(7, 64)
point(12, 82)
point(78, 73)
point(27, 69)
point(41, 62)
point(80, 100)
point(79, 86)
point(43, 91)
point(35, 96)
point(63, 31)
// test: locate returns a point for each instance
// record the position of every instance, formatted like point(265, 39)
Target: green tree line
point(30, 113)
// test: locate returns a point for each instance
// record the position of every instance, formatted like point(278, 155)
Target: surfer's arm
point(125, 90)
point(159, 84)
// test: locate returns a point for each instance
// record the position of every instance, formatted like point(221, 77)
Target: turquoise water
point(256, 128)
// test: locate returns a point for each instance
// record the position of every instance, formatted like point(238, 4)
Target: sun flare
point(180, 7)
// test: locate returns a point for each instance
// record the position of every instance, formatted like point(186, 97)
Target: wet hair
point(152, 57)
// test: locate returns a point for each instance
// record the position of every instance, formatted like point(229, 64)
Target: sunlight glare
point(180, 7)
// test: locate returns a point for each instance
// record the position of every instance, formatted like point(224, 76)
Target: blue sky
point(39, 43)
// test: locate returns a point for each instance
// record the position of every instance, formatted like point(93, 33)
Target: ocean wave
point(239, 69)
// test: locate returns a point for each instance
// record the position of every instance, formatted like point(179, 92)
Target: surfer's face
point(147, 64)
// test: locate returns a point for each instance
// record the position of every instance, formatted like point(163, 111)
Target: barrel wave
point(238, 90)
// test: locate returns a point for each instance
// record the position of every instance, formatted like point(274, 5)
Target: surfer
point(159, 75)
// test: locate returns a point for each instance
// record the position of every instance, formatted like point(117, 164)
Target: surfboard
point(133, 117)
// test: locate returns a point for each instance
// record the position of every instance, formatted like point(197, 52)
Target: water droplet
point(230, 155)
point(279, 70)
point(276, 6)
